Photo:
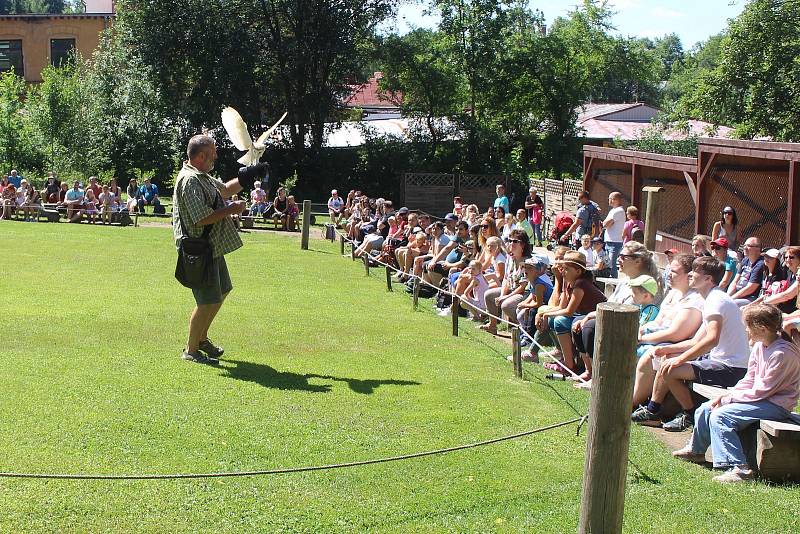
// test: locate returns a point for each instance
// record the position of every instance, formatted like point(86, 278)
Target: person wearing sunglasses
point(726, 227)
point(505, 299)
point(719, 250)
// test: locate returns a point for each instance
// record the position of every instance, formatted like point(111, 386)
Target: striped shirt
point(198, 195)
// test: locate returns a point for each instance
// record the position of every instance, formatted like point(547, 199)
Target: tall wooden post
point(352, 251)
point(341, 244)
point(605, 467)
point(650, 222)
point(388, 279)
point(415, 295)
point(454, 307)
point(516, 352)
point(366, 263)
point(306, 224)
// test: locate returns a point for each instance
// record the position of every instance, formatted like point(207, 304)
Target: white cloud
point(666, 13)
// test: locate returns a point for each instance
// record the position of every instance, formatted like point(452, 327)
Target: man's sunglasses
point(514, 241)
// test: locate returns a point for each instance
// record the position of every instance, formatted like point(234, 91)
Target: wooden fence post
point(366, 263)
point(609, 430)
point(341, 244)
point(415, 299)
point(388, 279)
point(516, 352)
point(650, 223)
point(454, 307)
point(352, 251)
point(306, 224)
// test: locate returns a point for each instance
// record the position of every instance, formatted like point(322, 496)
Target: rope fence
point(283, 471)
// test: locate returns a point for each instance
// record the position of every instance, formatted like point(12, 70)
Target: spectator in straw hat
point(580, 297)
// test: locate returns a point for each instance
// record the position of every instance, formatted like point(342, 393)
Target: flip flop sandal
point(552, 366)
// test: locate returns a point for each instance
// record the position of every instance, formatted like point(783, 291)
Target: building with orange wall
point(29, 43)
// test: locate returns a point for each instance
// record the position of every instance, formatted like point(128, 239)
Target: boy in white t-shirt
point(716, 355)
point(614, 225)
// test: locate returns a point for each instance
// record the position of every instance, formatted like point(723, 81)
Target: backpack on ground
point(330, 232)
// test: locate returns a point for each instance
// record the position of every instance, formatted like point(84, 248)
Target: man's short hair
point(584, 194)
point(197, 144)
point(686, 261)
point(616, 195)
point(711, 267)
point(463, 225)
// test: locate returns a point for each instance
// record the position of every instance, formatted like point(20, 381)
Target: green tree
point(15, 147)
point(418, 67)
point(136, 127)
point(756, 85)
point(262, 57)
point(66, 120)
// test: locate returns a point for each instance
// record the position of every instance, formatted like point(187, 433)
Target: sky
point(692, 20)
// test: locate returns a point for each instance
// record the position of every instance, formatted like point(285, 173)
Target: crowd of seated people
point(721, 315)
point(93, 202)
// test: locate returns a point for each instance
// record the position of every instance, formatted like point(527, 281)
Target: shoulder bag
point(195, 256)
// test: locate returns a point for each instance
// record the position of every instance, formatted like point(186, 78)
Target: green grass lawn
point(322, 365)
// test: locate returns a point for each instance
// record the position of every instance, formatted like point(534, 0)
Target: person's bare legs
point(645, 376)
point(400, 254)
point(211, 319)
point(565, 342)
point(675, 380)
point(199, 323)
point(672, 382)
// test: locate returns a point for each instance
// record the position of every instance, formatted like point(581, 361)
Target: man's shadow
point(269, 377)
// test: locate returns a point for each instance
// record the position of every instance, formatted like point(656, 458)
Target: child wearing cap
point(602, 262)
point(645, 289)
point(719, 250)
point(538, 293)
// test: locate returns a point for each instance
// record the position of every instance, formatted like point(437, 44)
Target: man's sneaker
point(528, 356)
point(211, 350)
point(444, 312)
point(679, 423)
point(198, 357)
point(688, 455)
point(643, 416)
point(735, 474)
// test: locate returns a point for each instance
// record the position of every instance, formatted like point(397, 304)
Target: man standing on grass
point(199, 202)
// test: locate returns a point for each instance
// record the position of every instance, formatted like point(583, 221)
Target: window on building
point(60, 51)
point(11, 56)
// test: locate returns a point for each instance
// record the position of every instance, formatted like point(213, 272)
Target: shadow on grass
point(269, 377)
point(321, 251)
point(366, 387)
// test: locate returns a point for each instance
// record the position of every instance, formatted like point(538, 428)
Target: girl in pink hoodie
point(769, 391)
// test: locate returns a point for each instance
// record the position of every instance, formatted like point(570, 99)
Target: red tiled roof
point(370, 95)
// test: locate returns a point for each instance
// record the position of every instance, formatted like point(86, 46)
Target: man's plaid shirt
point(198, 195)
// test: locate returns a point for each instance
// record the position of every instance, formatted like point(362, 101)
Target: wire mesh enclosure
point(433, 192)
point(758, 196)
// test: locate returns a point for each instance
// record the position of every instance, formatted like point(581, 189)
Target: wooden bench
point(52, 213)
point(774, 446)
point(249, 221)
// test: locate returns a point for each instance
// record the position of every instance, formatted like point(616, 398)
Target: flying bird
point(240, 136)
